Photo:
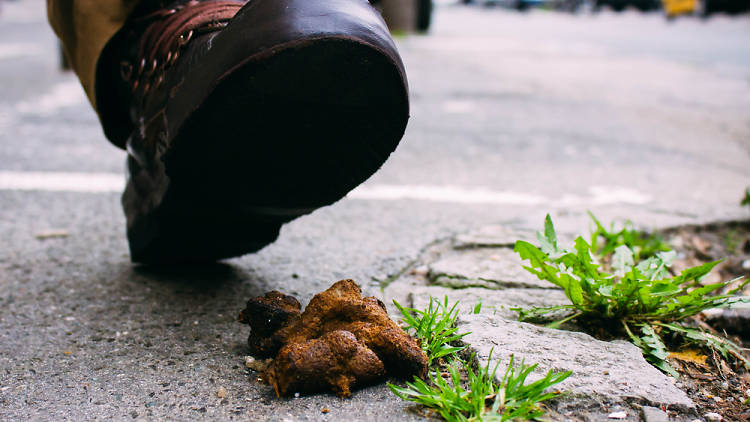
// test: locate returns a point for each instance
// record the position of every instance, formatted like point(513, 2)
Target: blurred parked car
point(570, 6)
point(673, 8)
point(515, 4)
point(708, 7)
point(620, 5)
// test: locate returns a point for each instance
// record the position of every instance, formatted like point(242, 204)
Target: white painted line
point(454, 194)
point(459, 106)
point(62, 95)
point(62, 182)
point(109, 182)
point(603, 195)
point(10, 51)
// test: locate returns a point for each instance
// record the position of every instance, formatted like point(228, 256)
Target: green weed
point(604, 242)
point(478, 396)
point(746, 199)
point(632, 292)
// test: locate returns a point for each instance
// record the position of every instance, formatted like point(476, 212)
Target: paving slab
point(491, 268)
point(492, 236)
point(611, 370)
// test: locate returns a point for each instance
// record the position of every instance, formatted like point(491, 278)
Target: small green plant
point(434, 327)
point(632, 293)
point(604, 242)
point(479, 396)
point(746, 199)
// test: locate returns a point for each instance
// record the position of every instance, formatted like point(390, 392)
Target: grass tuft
point(434, 327)
point(456, 390)
point(465, 394)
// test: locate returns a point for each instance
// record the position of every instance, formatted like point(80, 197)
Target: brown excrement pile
point(341, 341)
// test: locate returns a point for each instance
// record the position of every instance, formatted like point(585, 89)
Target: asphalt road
point(513, 115)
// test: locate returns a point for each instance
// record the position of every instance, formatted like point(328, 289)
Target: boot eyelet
point(185, 38)
point(126, 71)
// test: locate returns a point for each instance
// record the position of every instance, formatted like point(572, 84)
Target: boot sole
point(288, 131)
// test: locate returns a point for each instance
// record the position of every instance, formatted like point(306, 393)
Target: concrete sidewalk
point(513, 116)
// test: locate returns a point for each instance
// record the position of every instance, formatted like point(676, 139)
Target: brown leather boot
point(238, 117)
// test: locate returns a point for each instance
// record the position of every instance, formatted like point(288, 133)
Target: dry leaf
point(51, 234)
point(690, 355)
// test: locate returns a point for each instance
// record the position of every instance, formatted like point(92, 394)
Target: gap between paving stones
point(489, 268)
point(481, 266)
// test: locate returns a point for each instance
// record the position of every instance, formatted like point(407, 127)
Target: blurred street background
point(562, 107)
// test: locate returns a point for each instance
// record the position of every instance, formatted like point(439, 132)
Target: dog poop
point(341, 341)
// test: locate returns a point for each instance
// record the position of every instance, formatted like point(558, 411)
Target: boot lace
point(167, 33)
